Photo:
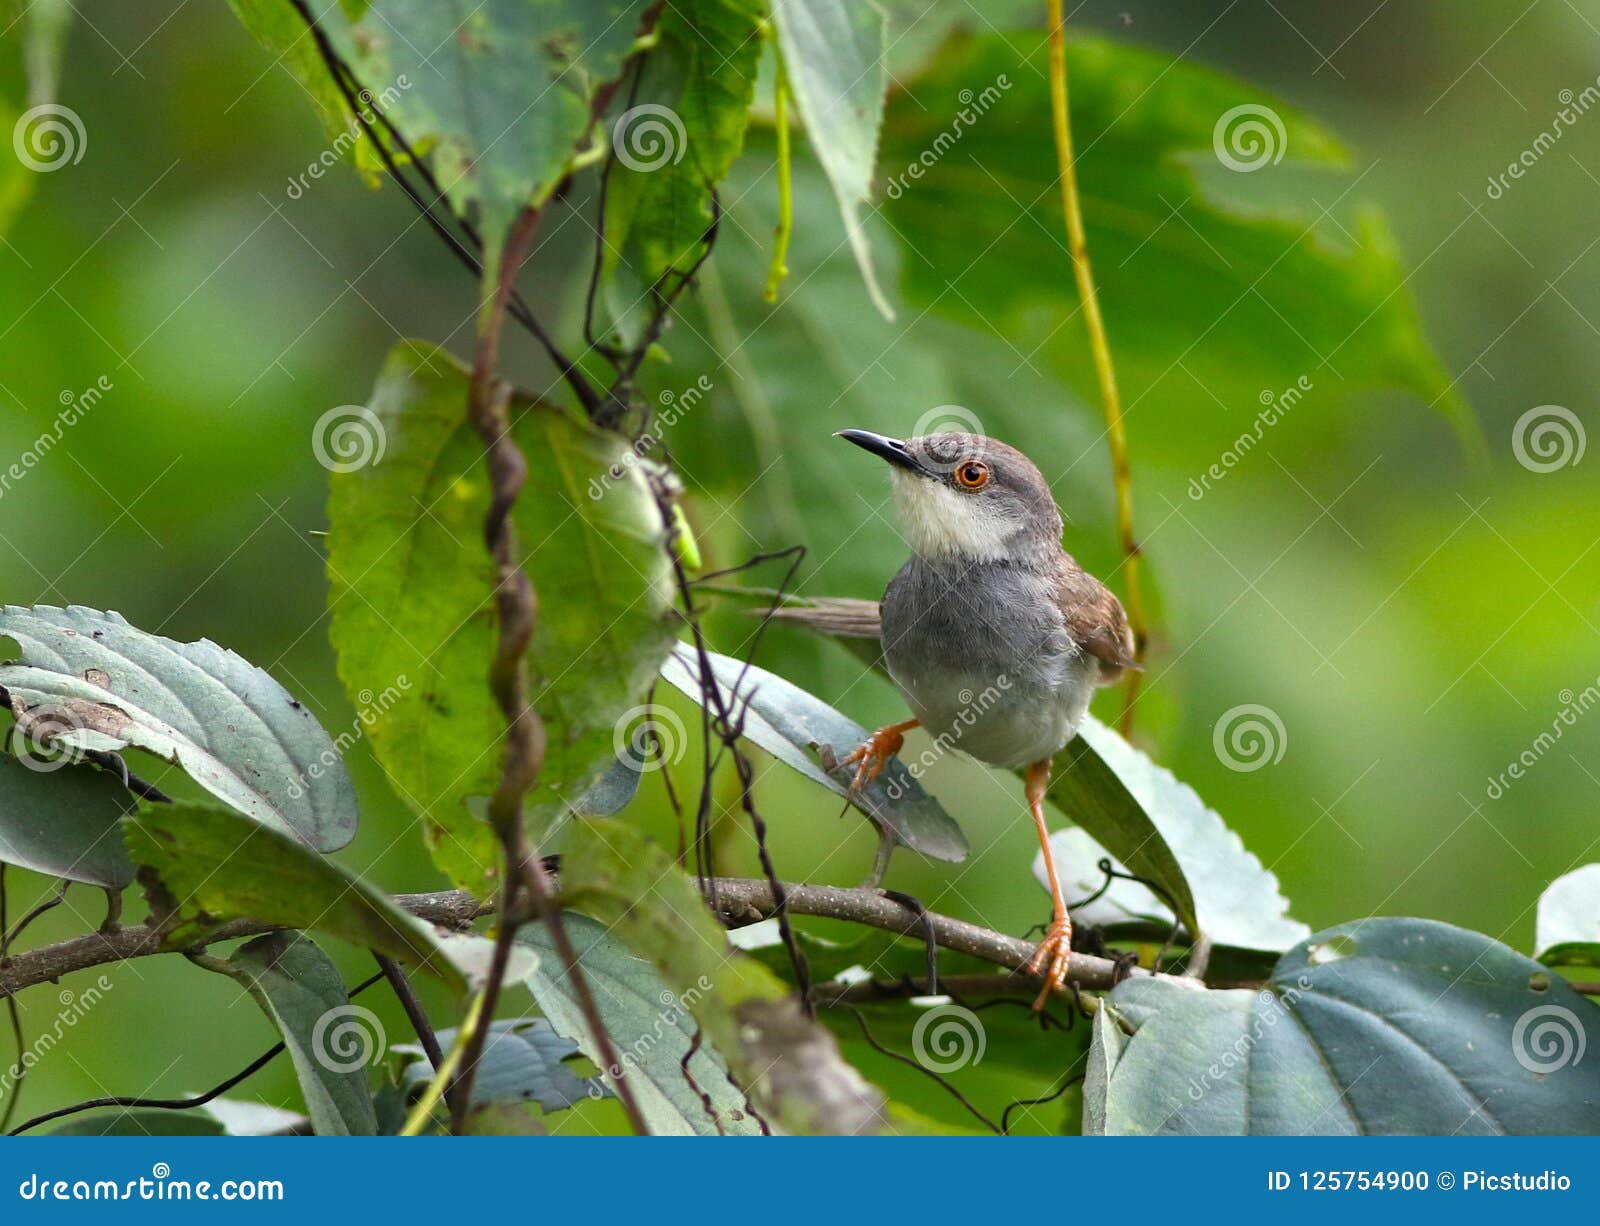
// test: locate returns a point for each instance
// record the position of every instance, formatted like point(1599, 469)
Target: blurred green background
point(1413, 622)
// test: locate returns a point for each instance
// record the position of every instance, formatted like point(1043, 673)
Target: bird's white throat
point(941, 523)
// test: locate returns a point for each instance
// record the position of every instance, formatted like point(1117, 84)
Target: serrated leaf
point(1236, 900)
point(1216, 284)
point(1394, 1026)
point(64, 822)
point(523, 1061)
point(300, 991)
point(212, 865)
point(1567, 923)
point(833, 52)
point(591, 545)
point(500, 91)
point(92, 681)
point(792, 725)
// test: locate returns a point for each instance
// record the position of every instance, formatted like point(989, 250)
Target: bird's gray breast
point(985, 659)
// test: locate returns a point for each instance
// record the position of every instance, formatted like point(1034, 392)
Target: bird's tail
point(842, 616)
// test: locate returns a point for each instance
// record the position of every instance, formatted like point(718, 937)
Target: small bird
point(996, 637)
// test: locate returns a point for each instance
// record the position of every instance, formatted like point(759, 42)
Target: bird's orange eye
point(972, 475)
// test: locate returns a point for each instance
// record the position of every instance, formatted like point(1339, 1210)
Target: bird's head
point(966, 496)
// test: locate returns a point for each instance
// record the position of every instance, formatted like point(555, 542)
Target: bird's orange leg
point(874, 753)
point(1054, 955)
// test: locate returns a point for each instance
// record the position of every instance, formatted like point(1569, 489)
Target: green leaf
point(300, 991)
point(221, 1117)
point(523, 1061)
point(1105, 1049)
point(833, 51)
point(283, 34)
point(499, 92)
point(592, 545)
point(63, 822)
point(213, 865)
point(1217, 285)
point(1567, 924)
point(88, 680)
point(1236, 901)
point(682, 132)
point(788, 1065)
point(1392, 1026)
point(651, 1027)
point(792, 725)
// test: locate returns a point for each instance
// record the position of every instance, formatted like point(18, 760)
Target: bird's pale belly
point(1002, 720)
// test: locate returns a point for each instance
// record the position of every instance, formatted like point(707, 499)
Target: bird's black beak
point(885, 448)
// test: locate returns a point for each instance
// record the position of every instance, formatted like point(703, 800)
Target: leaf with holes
point(1394, 1026)
point(88, 680)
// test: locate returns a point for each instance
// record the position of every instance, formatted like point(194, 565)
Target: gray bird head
point(968, 497)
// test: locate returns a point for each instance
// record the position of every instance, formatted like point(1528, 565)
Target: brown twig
point(516, 612)
point(740, 901)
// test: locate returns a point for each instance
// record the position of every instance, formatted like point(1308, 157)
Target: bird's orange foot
point(1052, 959)
point(873, 754)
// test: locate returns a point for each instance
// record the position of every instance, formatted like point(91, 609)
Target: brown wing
point(1098, 621)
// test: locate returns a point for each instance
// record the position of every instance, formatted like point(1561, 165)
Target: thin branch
point(415, 1013)
point(1105, 372)
point(740, 901)
point(131, 1102)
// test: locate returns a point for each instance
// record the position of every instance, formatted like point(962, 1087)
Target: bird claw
point(1052, 960)
point(872, 755)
